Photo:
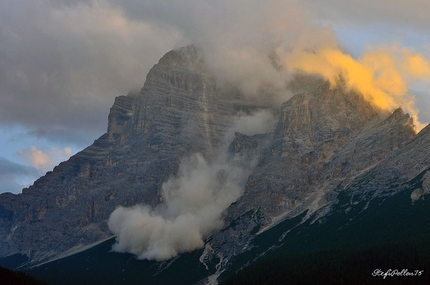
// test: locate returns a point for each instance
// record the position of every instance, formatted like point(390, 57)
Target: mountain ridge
point(325, 140)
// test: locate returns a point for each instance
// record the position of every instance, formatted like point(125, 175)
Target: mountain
point(179, 111)
point(334, 172)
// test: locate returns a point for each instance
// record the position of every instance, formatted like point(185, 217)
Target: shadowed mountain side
point(179, 111)
point(328, 143)
point(324, 138)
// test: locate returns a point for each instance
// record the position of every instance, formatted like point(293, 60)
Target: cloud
point(243, 49)
point(423, 99)
point(14, 176)
point(62, 62)
point(61, 65)
point(381, 75)
point(259, 122)
point(192, 207)
point(406, 14)
point(8, 167)
point(153, 236)
point(245, 43)
point(193, 201)
point(45, 160)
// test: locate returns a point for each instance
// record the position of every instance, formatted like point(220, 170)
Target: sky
point(62, 62)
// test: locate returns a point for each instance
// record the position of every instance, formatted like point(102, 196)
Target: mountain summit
point(188, 146)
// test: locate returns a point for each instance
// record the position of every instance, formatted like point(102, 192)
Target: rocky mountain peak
point(187, 56)
point(179, 111)
point(324, 137)
point(399, 115)
point(320, 113)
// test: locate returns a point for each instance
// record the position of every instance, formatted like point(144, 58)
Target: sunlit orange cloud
point(415, 65)
point(381, 75)
point(45, 160)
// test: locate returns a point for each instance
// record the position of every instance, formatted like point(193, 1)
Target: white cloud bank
point(63, 61)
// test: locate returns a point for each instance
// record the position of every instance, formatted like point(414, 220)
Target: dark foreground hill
point(343, 247)
point(9, 277)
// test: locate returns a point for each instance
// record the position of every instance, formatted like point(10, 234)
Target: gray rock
point(324, 139)
point(179, 111)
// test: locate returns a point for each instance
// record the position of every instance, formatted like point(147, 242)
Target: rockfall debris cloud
point(192, 202)
point(192, 206)
point(257, 46)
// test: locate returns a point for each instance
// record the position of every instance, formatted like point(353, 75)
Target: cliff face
point(323, 138)
point(179, 111)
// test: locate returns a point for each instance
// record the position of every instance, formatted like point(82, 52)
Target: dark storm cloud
point(407, 14)
point(9, 168)
point(61, 65)
point(63, 61)
point(11, 173)
point(61, 3)
point(188, 15)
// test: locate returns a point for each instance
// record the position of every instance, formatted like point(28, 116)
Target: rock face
point(179, 111)
point(324, 139)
